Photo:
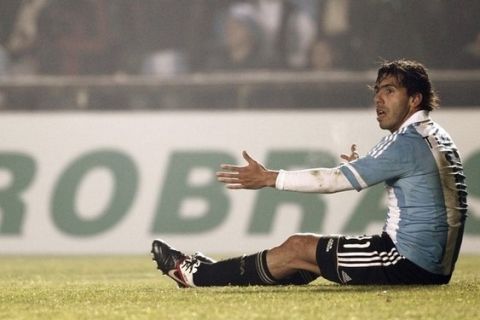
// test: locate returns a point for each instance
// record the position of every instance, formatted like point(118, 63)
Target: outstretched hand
point(252, 176)
point(353, 155)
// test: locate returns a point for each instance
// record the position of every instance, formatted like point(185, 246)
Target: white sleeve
point(321, 180)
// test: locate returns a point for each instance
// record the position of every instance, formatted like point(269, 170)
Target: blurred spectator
point(300, 31)
point(74, 38)
point(291, 28)
point(4, 61)
point(158, 28)
point(333, 40)
point(463, 34)
point(22, 35)
point(322, 56)
point(240, 39)
point(165, 63)
point(359, 33)
point(471, 53)
point(25, 27)
point(4, 66)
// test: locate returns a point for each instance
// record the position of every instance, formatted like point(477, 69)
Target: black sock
point(299, 278)
point(240, 271)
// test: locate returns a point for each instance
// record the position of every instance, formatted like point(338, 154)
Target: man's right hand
point(252, 176)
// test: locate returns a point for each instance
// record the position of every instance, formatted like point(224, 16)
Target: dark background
point(224, 54)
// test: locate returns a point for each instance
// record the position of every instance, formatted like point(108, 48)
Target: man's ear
point(415, 100)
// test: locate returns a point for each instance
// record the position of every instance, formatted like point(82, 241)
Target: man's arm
point(255, 176)
point(320, 180)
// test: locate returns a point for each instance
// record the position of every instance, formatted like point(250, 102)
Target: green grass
point(130, 288)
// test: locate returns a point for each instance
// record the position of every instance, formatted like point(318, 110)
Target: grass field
point(130, 288)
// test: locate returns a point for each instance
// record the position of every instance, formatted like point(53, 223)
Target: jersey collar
point(419, 116)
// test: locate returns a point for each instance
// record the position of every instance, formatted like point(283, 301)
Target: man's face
point(392, 103)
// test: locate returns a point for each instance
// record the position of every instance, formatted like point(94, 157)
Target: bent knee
point(301, 241)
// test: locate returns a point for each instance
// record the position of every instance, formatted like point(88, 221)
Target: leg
point(293, 262)
point(298, 252)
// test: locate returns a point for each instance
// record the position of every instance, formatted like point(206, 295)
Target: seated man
point(427, 204)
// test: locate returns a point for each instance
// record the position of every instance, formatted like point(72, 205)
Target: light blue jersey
point(427, 195)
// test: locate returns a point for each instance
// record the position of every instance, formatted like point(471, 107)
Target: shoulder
point(397, 143)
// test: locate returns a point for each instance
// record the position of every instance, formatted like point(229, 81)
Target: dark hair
point(413, 76)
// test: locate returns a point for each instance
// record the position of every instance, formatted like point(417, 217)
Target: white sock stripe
point(261, 271)
point(258, 259)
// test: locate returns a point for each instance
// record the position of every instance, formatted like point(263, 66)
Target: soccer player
point(427, 204)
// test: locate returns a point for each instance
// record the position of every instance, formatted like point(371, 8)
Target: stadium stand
point(206, 54)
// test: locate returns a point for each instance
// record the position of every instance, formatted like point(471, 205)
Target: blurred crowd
point(166, 37)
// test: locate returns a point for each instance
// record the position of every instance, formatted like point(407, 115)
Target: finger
point(222, 174)
point(345, 157)
point(235, 186)
point(230, 167)
point(247, 157)
point(227, 180)
point(353, 148)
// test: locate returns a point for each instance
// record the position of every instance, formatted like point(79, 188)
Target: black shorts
point(369, 260)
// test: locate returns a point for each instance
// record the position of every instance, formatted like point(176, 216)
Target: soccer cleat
point(175, 264)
